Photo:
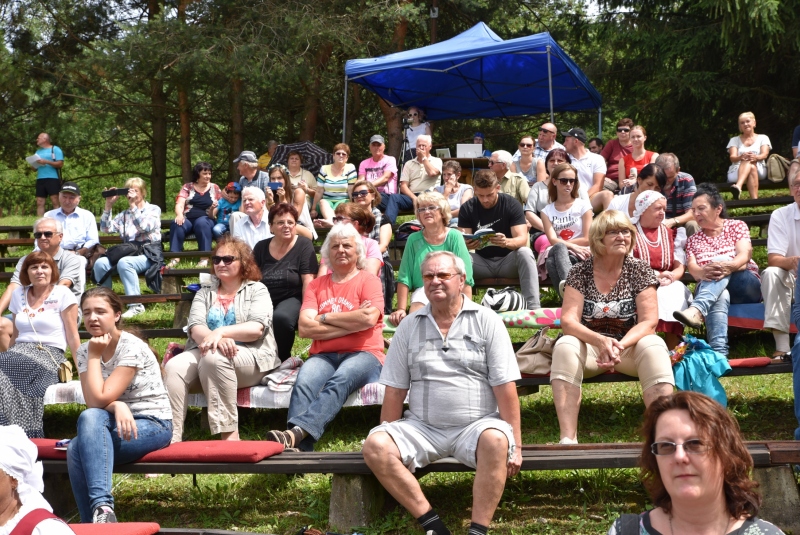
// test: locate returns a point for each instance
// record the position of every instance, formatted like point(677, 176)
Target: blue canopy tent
point(477, 74)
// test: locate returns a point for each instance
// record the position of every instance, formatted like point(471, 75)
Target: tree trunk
point(237, 124)
point(186, 134)
point(393, 116)
point(309, 130)
point(158, 178)
point(354, 111)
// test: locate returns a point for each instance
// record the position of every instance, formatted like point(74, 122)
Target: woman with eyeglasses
point(719, 257)
point(367, 196)
point(334, 183)
point(288, 193)
point(696, 469)
point(630, 165)
point(433, 212)
point(609, 321)
point(454, 191)
point(231, 341)
point(566, 222)
point(617, 148)
point(417, 127)
point(525, 164)
point(288, 263)
point(652, 178)
point(364, 222)
point(45, 318)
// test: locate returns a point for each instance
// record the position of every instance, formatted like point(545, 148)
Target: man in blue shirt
point(80, 226)
point(48, 175)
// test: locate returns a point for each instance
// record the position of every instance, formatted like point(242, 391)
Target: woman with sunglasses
point(433, 212)
point(525, 164)
point(364, 222)
point(652, 178)
point(617, 148)
point(566, 222)
point(334, 183)
point(231, 341)
point(287, 263)
point(630, 165)
point(417, 127)
point(454, 191)
point(367, 196)
point(609, 319)
point(288, 193)
point(696, 470)
point(192, 206)
point(45, 318)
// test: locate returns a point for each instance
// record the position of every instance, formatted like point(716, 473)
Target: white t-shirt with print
point(46, 320)
point(568, 224)
point(146, 394)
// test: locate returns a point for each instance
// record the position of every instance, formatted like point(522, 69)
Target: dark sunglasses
point(442, 276)
point(341, 219)
point(362, 193)
point(546, 131)
point(46, 234)
point(623, 129)
point(412, 114)
point(227, 260)
point(340, 153)
point(567, 181)
point(695, 446)
point(525, 145)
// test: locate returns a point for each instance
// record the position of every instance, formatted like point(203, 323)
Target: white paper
point(33, 161)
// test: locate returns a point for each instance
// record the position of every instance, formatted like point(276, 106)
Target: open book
point(484, 235)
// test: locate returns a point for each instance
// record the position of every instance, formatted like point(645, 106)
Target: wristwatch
point(322, 318)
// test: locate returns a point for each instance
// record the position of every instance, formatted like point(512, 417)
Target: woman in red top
point(637, 159)
point(617, 148)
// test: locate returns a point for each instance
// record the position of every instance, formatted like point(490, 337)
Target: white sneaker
point(561, 286)
point(132, 311)
point(567, 440)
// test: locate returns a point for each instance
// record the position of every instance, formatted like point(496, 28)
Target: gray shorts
point(420, 444)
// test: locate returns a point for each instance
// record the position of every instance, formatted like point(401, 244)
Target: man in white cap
point(23, 509)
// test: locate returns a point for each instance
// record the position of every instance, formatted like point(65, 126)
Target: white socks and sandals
point(433, 525)
point(290, 438)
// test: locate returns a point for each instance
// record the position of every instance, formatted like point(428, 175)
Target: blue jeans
point(323, 385)
point(796, 357)
point(712, 299)
point(92, 455)
point(200, 227)
point(393, 203)
point(219, 230)
point(128, 268)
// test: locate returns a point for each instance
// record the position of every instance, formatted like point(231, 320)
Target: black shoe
point(735, 191)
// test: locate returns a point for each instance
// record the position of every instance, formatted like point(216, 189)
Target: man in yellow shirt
point(265, 159)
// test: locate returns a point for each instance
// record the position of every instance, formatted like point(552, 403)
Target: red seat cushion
point(752, 362)
point(122, 528)
point(215, 451)
point(47, 449)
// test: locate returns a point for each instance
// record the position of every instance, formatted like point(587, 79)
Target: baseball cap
point(376, 139)
point(70, 187)
point(479, 134)
point(577, 133)
point(246, 156)
point(233, 186)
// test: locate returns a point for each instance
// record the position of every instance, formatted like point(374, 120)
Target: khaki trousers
point(777, 288)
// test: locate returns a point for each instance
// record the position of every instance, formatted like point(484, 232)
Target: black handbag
point(118, 252)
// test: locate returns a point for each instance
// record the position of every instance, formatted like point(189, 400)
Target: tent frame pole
point(344, 117)
point(600, 122)
point(550, 83)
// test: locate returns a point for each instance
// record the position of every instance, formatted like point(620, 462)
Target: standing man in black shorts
point(48, 174)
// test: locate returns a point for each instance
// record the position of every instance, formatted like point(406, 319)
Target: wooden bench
point(781, 200)
point(357, 498)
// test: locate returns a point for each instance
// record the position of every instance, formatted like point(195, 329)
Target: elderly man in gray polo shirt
point(456, 359)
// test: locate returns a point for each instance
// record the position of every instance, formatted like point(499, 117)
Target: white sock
point(781, 341)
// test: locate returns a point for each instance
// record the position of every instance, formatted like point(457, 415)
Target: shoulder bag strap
point(628, 524)
point(38, 340)
point(31, 520)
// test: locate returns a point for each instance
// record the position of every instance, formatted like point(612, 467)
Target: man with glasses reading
point(506, 254)
point(48, 233)
point(453, 346)
point(420, 174)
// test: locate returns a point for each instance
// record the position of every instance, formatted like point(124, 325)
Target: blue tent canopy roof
point(477, 74)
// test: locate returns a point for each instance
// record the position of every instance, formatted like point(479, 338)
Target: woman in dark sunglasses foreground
point(697, 471)
point(231, 342)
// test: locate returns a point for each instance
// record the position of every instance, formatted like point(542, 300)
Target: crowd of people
point(614, 226)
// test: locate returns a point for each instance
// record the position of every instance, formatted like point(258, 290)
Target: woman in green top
point(433, 212)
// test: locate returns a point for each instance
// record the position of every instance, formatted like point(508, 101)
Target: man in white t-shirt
point(254, 227)
point(591, 167)
point(778, 279)
point(380, 169)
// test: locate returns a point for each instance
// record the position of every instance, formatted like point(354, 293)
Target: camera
point(406, 122)
point(118, 192)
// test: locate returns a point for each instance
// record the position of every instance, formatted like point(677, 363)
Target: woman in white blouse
point(748, 153)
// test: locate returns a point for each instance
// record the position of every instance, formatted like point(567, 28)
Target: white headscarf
point(643, 202)
point(18, 460)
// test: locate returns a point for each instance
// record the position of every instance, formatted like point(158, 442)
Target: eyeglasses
point(227, 260)
point(442, 276)
point(413, 114)
point(423, 209)
point(340, 219)
point(46, 234)
point(340, 153)
point(493, 162)
point(623, 129)
point(624, 232)
point(525, 145)
point(284, 223)
point(361, 193)
point(546, 131)
point(796, 185)
point(568, 181)
point(694, 446)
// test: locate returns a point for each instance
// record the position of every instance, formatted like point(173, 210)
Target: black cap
point(577, 133)
point(70, 187)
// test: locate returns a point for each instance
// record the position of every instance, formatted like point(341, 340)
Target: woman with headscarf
point(656, 245)
point(23, 509)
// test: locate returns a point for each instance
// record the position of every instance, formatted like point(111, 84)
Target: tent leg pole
point(550, 84)
point(344, 117)
point(600, 122)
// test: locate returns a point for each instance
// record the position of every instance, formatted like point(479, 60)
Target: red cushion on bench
point(122, 528)
point(752, 362)
point(47, 449)
point(215, 451)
